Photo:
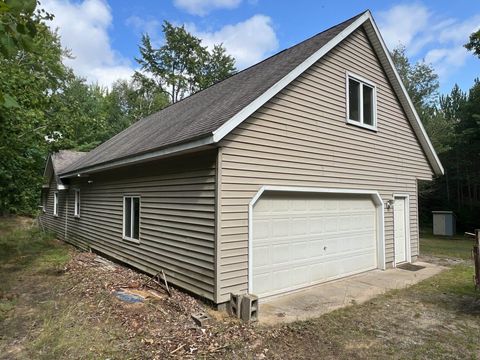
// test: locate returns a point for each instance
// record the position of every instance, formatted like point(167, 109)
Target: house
point(298, 170)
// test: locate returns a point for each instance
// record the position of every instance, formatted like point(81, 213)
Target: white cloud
point(402, 23)
point(435, 38)
point(151, 26)
point(248, 41)
point(83, 27)
point(203, 7)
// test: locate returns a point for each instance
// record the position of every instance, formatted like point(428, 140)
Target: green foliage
point(474, 43)
point(419, 79)
point(18, 28)
point(453, 124)
point(421, 83)
point(129, 101)
point(182, 66)
point(48, 108)
point(440, 130)
point(35, 79)
point(80, 116)
point(459, 189)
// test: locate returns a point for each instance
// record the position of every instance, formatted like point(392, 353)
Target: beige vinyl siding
point(49, 221)
point(177, 218)
point(300, 138)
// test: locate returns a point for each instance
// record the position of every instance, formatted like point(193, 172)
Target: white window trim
point(55, 203)
point(77, 203)
point(137, 241)
point(362, 81)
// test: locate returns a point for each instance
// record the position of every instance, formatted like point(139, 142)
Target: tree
point(18, 27)
point(419, 79)
point(80, 116)
point(129, 101)
point(473, 44)
point(35, 79)
point(182, 66)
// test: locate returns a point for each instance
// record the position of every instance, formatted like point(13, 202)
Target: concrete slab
point(323, 298)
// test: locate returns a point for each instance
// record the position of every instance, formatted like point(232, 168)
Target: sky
point(103, 36)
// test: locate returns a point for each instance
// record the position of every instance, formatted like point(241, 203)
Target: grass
point(41, 318)
point(457, 247)
point(21, 240)
point(438, 318)
point(29, 258)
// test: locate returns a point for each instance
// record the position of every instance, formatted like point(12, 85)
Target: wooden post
point(476, 258)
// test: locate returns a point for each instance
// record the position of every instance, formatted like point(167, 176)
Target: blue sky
point(103, 36)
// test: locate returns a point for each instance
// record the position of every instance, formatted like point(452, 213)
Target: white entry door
point(400, 229)
point(301, 240)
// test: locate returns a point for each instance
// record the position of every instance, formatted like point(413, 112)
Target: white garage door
point(304, 239)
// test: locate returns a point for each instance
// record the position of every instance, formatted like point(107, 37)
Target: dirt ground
point(59, 303)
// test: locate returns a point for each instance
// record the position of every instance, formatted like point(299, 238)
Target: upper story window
point(55, 203)
point(361, 102)
point(77, 203)
point(131, 218)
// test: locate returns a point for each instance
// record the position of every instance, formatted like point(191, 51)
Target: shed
point(444, 223)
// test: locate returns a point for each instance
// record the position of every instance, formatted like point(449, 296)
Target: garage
point(299, 239)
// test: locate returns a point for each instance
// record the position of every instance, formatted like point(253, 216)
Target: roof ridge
point(200, 114)
point(261, 61)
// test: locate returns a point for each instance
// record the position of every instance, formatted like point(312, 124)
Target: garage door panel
point(280, 254)
point(305, 240)
point(261, 229)
point(262, 257)
point(316, 224)
point(300, 226)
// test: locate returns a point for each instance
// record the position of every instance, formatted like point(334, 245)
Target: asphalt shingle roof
point(200, 114)
point(63, 158)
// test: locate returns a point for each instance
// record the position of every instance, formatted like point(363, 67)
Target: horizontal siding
point(177, 218)
point(300, 138)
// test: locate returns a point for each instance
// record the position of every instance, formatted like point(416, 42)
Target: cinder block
point(249, 308)
point(235, 304)
point(201, 319)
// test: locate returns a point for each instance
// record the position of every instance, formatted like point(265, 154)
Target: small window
point(44, 201)
point(55, 203)
point(131, 218)
point(361, 106)
point(77, 203)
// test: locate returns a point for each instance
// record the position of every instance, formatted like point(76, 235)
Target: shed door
point(301, 240)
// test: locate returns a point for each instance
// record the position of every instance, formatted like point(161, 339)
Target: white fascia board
point(236, 120)
point(143, 157)
point(403, 95)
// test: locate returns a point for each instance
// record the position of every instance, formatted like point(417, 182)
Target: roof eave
point(194, 145)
